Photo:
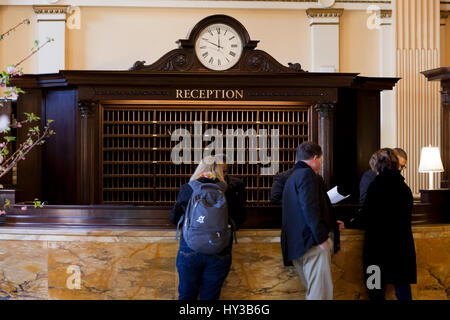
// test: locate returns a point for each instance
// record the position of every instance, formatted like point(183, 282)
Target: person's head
point(209, 166)
point(402, 158)
point(373, 162)
point(310, 153)
point(386, 160)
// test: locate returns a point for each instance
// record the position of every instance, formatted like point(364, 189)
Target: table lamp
point(430, 161)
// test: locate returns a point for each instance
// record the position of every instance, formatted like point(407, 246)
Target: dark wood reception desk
point(116, 131)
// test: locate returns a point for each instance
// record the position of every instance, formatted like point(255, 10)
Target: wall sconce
point(430, 161)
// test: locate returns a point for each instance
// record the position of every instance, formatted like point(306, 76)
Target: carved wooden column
point(87, 154)
point(325, 140)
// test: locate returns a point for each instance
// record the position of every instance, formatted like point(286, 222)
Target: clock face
point(218, 47)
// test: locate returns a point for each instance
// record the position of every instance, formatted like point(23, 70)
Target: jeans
point(200, 273)
point(402, 292)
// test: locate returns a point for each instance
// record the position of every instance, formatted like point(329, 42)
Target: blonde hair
point(209, 164)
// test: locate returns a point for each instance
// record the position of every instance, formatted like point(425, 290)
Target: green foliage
point(9, 138)
point(31, 117)
point(7, 204)
point(38, 203)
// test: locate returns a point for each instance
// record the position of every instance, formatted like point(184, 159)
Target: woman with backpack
point(209, 210)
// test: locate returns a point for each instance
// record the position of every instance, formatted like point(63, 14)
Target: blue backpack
point(206, 227)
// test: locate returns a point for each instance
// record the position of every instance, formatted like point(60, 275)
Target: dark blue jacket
point(367, 178)
point(276, 193)
point(307, 217)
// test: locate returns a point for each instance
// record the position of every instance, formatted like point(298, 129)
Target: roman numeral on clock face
point(211, 60)
point(231, 53)
point(218, 62)
point(205, 54)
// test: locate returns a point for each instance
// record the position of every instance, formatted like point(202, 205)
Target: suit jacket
point(276, 193)
point(307, 218)
point(366, 179)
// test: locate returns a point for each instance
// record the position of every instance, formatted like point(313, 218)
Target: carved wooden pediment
point(184, 58)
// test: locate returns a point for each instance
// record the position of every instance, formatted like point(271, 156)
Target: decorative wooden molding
point(87, 108)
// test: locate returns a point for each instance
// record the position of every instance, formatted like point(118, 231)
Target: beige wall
point(359, 46)
point(114, 38)
point(17, 46)
point(446, 39)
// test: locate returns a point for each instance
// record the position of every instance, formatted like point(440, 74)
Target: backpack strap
point(178, 226)
point(195, 185)
point(233, 229)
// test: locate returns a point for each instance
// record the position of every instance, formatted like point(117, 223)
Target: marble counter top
point(168, 235)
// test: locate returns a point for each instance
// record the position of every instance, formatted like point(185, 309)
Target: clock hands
point(215, 44)
point(218, 39)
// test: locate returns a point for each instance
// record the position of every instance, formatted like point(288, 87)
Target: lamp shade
point(430, 160)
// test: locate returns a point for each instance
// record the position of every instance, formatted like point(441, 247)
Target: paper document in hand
point(335, 196)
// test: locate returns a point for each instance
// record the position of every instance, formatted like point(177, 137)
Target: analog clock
point(218, 47)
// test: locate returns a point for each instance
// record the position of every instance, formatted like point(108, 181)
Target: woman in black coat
point(386, 218)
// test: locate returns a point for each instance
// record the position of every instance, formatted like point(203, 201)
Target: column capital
point(444, 16)
point(87, 107)
point(50, 9)
point(324, 16)
point(324, 13)
point(385, 17)
point(324, 109)
point(385, 14)
point(50, 13)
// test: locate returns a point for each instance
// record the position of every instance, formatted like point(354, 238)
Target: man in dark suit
point(307, 224)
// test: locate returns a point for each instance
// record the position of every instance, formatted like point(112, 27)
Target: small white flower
point(4, 122)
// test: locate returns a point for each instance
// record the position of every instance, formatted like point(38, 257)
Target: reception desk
point(69, 263)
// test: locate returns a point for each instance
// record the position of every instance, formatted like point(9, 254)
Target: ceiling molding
point(217, 4)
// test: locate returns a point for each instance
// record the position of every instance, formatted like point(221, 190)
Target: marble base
point(131, 264)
